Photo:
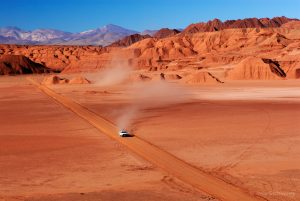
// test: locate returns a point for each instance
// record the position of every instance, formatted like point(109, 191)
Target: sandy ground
point(49, 153)
point(246, 133)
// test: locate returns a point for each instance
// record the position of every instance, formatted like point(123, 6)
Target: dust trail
point(127, 116)
point(150, 95)
point(142, 95)
point(116, 72)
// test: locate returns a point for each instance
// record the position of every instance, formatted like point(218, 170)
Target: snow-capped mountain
point(10, 32)
point(116, 29)
point(101, 36)
point(35, 36)
point(43, 35)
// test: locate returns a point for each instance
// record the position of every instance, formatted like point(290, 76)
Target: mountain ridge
point(99, 36)
point(217, 24)
point(110, 33)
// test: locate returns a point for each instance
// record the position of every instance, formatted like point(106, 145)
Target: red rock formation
point(253, 68)
point(19, 64)
point(165, 32)
point(217, 25)
point(185, 54)
point(129, 40)
point(297, 73)
point(171, 76)
point(295, 24)
point(54, 57)
point(201, 78)
point(54, 79)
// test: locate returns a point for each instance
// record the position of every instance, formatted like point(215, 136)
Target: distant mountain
point(217, 25)
point(110, 33)
point(19, 36)
point(101, 36)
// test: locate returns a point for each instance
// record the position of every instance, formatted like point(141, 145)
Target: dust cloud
point(142, 95)
point(151, 95)
point(116, 72)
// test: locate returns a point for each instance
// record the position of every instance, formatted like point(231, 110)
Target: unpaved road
point(169, 163)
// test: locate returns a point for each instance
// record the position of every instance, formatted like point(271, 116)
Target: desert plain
point(249, 139)
point(224, 103)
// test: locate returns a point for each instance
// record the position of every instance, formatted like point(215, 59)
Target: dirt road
point(167, 162)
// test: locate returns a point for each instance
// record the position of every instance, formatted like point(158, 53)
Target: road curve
point(162, 159)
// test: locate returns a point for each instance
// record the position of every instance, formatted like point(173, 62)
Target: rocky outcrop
point(129, 40)
point(217, 25)
point(297, 73)
point(295, 24)
point(54, 79)
point(165, 32)
point(253, 68)
point(55, 57)
point(275, 67)
point(170, 76)
point(19, 64)
point(201, 78)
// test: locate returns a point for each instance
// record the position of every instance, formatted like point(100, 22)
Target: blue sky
point(80, 15)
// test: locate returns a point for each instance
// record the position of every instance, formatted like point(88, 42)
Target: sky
point(81, 15)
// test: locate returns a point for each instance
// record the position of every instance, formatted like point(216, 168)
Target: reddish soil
point(49, 153)
point(245, 133)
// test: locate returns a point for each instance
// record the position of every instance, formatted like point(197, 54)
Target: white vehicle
point(123, 133)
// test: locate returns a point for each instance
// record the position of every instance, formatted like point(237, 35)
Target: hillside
point(19, 64)
point(217, 25)
point(228, 54)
